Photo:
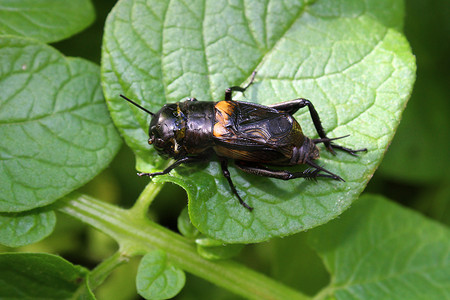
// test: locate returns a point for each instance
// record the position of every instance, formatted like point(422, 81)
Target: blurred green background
point(415, 171)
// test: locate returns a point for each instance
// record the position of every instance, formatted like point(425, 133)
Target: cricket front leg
point(173, 166)
point(229, 91)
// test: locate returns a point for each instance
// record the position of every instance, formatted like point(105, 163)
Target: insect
point(252, 135)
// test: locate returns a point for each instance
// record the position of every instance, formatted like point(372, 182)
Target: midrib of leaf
point(274, 46)
point(269, 48)
point(264, 51)
point(36, 22)
point(390, 276)
point(51, 115)
point(204, 48)
point(352, 282)
point(204, 56)
point(348, 67)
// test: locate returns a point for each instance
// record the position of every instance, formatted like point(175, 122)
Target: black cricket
point(252, 135)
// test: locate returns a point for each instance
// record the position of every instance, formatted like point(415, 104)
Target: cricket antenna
point(135, 104)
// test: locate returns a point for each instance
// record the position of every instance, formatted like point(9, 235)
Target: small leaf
point(157, 278)
point(45, 20)
point(214, 249)
point(55, 128)
point(185, 226)
point(379, 250)
point(349, 60)
point(20, 229)
point(41, 276)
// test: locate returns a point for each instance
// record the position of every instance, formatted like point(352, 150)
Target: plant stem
point(137, 235)
point(99, 274)
point(146, 198)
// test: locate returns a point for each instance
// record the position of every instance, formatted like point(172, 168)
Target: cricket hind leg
point(293, 106)
point(309, 174)
point(335, 146)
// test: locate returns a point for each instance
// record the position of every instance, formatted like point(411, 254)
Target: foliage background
point(415, 171)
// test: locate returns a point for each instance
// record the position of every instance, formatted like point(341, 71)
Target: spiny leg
point(348, 150)
point(229, 91)
point(226, 173)
point(260, 170)
point(319, 168)
point(294, 105)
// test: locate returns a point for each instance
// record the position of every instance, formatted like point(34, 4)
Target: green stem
point(137, 236)
point(99, 274)
point(145, 199)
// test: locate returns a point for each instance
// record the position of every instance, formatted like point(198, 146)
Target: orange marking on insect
point(224, 109)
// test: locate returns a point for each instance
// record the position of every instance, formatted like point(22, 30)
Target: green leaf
point(41, 276)
point(20, 229)
point(55, 128)
point(379, 250)
point(157, 278)
point(356, 69)
point(45, 20)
